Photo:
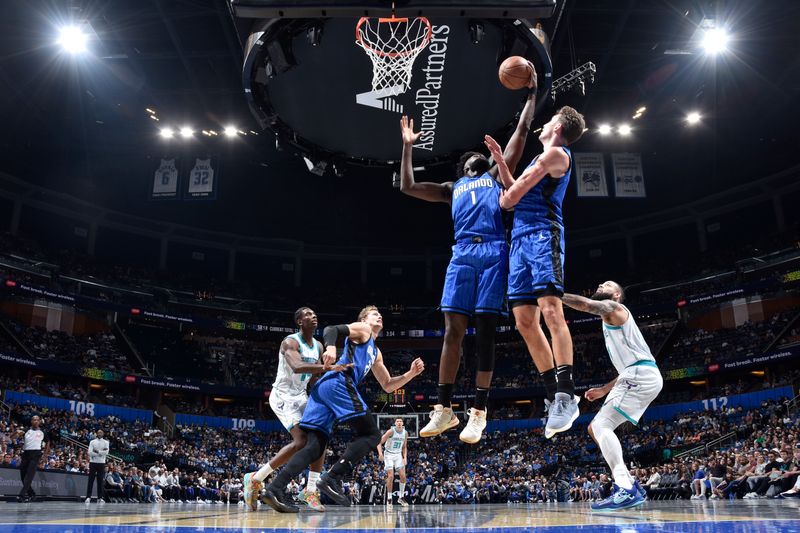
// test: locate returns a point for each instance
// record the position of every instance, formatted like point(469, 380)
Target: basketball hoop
point(392, 44)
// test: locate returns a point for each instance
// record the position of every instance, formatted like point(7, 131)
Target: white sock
point(702, 487)
point(263, 472)
point(612, 453)
point(311, 484)
point(402, 490)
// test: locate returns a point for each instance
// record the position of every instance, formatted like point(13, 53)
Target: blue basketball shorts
point(476, 278)
point(333, 399)
point(536, 266)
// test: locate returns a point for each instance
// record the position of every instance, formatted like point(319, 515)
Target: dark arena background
point(178, 177)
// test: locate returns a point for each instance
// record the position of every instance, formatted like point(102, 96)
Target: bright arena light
point(72, 39)
point(604, 129)
point(186, 132)
point(624, 129)
point(693, 117)
point(715, 40)
point(166, 133)
point(230, 131)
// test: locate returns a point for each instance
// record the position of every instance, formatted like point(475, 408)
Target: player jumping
point(476, 276)
point(536, 260)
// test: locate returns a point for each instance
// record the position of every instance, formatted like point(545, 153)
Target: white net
point(392, 45)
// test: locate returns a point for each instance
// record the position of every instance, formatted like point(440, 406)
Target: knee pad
point(485, 331)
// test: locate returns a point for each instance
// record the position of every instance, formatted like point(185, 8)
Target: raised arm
point(516, 144)
point(428, 191)
point(609, 310)
point(291, 352)
point(554, 162)
point(389, 383)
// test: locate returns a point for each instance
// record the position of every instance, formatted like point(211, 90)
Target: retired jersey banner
point(203, 179)
point(590, 173)
point(628, 176)
point(165, 180)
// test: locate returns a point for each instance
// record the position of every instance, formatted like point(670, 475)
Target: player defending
point(335, 398)
point(477, 273)
point(394, 458)
point(636, 386)
point(536, 260)
point(298, 358)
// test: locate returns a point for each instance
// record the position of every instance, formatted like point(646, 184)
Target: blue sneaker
point(620, 499)
point(638, 488)
point(561, 414)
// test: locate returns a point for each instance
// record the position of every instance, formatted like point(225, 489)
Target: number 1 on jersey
point(474, 200)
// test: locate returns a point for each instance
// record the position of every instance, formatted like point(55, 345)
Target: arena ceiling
point(80, 125)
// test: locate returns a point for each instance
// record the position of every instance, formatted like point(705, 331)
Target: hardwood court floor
point(759, 516)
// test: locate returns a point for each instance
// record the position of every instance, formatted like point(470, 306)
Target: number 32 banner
point(203, 178)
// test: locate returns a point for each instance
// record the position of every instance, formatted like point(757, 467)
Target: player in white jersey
point(394, 458)
point(299, 358)
point(629, 394)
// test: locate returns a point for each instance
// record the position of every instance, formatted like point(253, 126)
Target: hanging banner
point(165, 180)
point(203, 179)
point(628, 176)
point(591, 174)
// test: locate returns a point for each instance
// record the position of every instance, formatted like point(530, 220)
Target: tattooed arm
point(611, 311)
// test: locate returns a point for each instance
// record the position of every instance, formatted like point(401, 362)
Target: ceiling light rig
point(73, 39)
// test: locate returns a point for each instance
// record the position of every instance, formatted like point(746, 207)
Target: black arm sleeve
point(332, 333)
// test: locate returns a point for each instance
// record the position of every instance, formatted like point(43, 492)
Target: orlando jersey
point(360, 355)
point(475, 207)
point(540, 208)
point(394, 444)
point(287, 382)
point(625, 344)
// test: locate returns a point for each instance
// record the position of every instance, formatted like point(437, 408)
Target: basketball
point(515, 73)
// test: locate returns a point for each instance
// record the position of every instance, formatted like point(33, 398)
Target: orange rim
point(393, 19)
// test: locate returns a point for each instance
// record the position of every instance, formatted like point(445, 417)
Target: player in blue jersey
point(476, 276)
point(536, 260)
point(335, 398)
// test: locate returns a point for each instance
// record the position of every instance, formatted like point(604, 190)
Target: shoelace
point(558, 407)
point(474, 420)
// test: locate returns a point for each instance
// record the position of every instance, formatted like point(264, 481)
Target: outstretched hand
point(417, 367)
point(533, 83)
point(407, 130)
point(494, 148)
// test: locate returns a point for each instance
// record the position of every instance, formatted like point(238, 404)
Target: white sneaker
point(475, 425)
point(402, 502)
point(561, 414)
point(442, 419)
point(88, 500)
point(714, 497)
point(100, 500)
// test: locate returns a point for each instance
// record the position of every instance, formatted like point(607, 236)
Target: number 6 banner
point(203, 179)
point(165, 180)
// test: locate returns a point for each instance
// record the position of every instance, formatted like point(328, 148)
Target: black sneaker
point(332, 488)
point(277, 499)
